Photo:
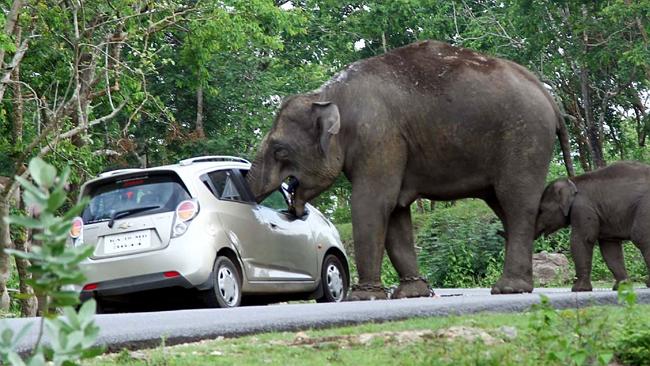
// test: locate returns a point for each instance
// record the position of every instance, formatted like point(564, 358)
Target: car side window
point(223, 185)
point(276, 201)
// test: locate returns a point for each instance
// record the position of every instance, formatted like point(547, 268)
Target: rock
point(469, 334)
point(508, 332)
point(301, 337)
point(138, 355)
point(551, 268)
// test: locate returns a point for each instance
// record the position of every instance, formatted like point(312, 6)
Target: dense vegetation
point(127, 83)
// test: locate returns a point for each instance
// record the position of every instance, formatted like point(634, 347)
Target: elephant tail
point(563, 136)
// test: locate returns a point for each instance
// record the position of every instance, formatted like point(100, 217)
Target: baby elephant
point(607, 205)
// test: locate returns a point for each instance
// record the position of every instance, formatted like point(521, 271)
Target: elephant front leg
point(582, 251)
point(644, 245)
point(401, 251)
point(369, 220)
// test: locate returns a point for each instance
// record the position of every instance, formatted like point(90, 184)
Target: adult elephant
point(425, 120)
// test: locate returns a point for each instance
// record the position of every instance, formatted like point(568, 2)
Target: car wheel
point(226, 288)
point(334, 280)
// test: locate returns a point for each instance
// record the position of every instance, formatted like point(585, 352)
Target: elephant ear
point(328, 122)
point(566, 193)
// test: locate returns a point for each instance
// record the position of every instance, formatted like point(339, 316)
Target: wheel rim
point(228, 286)
point(335, 282)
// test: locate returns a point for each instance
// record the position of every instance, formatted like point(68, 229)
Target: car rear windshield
point(144, 195)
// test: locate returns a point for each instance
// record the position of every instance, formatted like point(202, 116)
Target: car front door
point(293, 245)
point(272, 245)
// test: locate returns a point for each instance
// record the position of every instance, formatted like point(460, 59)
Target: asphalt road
point(140, 330)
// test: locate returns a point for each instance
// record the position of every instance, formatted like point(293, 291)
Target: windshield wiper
point(124, 213)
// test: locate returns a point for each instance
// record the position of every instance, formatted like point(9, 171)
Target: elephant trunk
point(253, 179)
point(260, 179)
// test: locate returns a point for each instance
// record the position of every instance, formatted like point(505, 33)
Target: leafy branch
point(54, 268)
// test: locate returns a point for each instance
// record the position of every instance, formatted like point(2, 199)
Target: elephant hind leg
point(493, 203)
point(517, 206)
point(612, 252)
point(401, 251)
point(641, 232)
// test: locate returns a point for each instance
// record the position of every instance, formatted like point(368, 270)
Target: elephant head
point(302, 146)
point(555, 207)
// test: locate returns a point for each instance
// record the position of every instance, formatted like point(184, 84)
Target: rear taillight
point(90, 287)
point(77, 227)
point(185, 211)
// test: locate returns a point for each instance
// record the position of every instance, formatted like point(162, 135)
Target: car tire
point(226, 285)
point(334, 280)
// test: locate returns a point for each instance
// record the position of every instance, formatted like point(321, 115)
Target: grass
point(502, 339)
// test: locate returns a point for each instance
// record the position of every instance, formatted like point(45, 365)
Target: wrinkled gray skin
point(425, 120)
point(607, 205)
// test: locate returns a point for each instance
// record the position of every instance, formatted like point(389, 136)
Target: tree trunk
point(200, 132)
point(593, 130)
point(17, 128)
point(642, 120)
point(420, 204)
point(10, 24)
point(28, 304)
point(583, 149)
point(583, 145)
point(5, 263)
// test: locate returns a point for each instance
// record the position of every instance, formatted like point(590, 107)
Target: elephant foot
point(412, 287)
point(582, 286)
point(618, 283)
point(366, 292)
point(507, 285)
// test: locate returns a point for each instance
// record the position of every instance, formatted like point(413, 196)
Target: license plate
point(127, 242)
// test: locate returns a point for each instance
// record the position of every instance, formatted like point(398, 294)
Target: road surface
point(141, 330)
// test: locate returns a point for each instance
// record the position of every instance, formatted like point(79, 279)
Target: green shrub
point(633, 348)
point(559, 242)
point(568, 337)
point(460, 244)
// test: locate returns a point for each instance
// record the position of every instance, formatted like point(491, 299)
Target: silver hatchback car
point(195, 225)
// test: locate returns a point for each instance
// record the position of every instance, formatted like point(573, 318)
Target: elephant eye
point(281, 154)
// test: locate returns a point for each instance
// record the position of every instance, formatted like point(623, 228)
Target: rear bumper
point(135, 284)
point(191, 255)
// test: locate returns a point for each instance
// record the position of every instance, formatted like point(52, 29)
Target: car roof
point(183, 168)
